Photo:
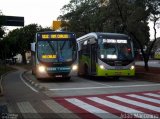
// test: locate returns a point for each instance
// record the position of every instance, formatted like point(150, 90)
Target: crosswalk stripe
point(132, 102)
point(122, 108)
point(144, 98)
point(27, 110)
point(152, 94)
point(60, 110)
point(92, 109)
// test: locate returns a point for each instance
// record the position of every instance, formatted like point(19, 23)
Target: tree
point(1, 28)
point(18, 40)
point(141, 14)
point(154, 7)
point(83, 16)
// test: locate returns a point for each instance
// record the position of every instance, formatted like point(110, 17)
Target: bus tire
point(68, 78)
point(86, 74)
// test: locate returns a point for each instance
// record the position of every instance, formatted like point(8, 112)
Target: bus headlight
point(101, 66)
point(132, 67)
point(41, 69)
point(74, 67)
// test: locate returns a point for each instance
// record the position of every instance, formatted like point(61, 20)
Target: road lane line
point(103, 87)
point(122, 108)
point(144, 98)
point(28, 111)
point(33, 89)
point(82, 88)
point(152, 94)
point(60, 110)
point(90, 108)
point(136, 103)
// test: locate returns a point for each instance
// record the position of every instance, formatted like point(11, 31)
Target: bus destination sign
point(54, 36)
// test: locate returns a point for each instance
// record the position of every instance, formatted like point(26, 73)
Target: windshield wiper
point(51, 46)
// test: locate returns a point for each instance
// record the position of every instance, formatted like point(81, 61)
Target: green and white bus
point(105, 54)
point(55, 55)
point(157, 54)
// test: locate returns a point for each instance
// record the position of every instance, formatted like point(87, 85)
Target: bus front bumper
point(51, 74)
point(124, 72)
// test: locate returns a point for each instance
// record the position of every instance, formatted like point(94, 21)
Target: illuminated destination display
point(55, 36)
point(114, 41)
point(49, 56)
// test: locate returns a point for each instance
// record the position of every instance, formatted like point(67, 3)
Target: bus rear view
point(55, 55)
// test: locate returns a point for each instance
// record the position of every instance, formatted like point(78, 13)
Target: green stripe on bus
point(113, 72)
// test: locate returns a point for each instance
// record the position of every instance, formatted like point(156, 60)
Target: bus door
point(93, 56)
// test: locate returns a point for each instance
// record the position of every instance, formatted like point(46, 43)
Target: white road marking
point(27, 110)
point(94, 110)
point(152, 94)
point(82, 88)
point(144, 98)
point(60, 110)
point(103, 87)
point(33, 89)
point(136, 103)
point(122, 108)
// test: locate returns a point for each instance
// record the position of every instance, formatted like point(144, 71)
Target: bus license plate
point(118, 68)
point(58, 76)
point(118, 73)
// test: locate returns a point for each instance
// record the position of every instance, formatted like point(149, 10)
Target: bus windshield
point(115, 49)
point(56, 51)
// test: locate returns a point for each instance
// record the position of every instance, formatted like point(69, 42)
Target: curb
point(33, 83)
point(1, 88)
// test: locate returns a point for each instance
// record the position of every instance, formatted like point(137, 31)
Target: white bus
point(105, 54)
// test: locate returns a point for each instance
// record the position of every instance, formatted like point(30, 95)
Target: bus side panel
point(83, 62)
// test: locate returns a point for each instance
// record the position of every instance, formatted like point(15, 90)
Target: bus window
point(125, 52)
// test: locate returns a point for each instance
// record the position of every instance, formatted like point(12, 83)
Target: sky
point(42, 12)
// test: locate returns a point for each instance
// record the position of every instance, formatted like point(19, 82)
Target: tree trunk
point(146, 64)
point(23, 58)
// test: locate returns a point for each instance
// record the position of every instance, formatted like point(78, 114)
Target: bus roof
point(56, 32)
point(98, 35)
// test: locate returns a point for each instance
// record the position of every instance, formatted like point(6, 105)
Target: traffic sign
point(56, 25)
point(12, 21)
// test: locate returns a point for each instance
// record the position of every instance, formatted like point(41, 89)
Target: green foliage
point(85, 16)
point(82, 16)
point(18, 40)
point(1, 28)
point(134, 17)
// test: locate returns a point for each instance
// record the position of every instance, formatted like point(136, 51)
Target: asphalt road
point(28, 97)
point(91, 86)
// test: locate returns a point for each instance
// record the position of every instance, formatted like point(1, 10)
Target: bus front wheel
point(86, 70)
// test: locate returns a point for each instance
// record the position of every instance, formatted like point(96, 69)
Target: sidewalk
point(152, 75)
